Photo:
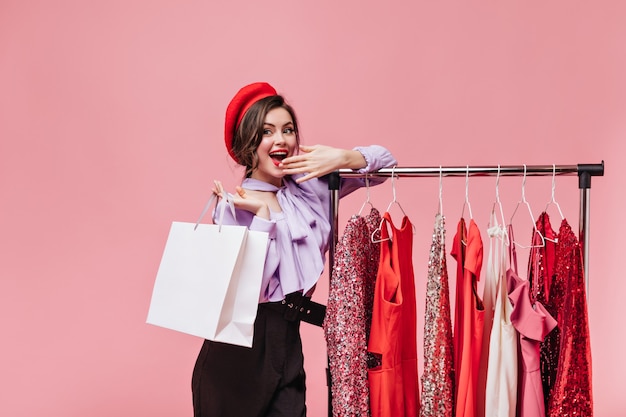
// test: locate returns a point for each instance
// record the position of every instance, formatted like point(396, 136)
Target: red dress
point(571, 394)
point(542, 270)
point(542, 260)
point(393, 384)
point(469, 313)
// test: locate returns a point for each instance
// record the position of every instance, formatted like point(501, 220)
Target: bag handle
point(228, 199)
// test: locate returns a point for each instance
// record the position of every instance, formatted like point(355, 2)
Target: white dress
point(501, 392)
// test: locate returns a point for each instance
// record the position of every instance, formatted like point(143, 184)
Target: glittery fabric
point(437, 397)
point(572, 394)
point(541, 273)
point(542, 260)
point(348, 315)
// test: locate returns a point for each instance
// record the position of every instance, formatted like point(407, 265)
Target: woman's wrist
point(263, 212)
point(354, 159)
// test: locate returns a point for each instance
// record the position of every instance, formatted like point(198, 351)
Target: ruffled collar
point(307, 235)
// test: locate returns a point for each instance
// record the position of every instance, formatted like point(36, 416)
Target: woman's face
point(279, 141)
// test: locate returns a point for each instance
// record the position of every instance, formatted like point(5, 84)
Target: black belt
point(295, 306)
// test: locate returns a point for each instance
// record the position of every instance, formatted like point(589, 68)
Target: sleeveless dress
point(502, 369)
point(437, 399)
point(572, 393)
point(533, 322)
point(468, 325)
point(489, 301)
point(348, 315)
point(394, 384)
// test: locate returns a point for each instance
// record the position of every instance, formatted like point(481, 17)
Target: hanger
point(530, 212)
point(553, 200)
point(393, 190)
point(367, 200)
point(498, 202)
point(467, 203)
point(394, 201)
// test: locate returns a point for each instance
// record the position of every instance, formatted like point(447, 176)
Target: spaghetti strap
point(512, 252)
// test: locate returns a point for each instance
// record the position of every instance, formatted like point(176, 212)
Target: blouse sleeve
point(252, 222)
point(376, 157)
point(245, 218)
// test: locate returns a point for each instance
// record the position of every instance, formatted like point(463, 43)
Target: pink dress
point(533, 323)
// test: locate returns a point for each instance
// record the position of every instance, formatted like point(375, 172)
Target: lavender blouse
point(299, 235)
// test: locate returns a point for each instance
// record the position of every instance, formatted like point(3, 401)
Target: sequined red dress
point(467, 249)
point(348, 315)
point(572, 393)
point(542, 260)
point(542, 270)
point(437, 397)
point(394, 390)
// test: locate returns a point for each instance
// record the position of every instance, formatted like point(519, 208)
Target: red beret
point(239, 105)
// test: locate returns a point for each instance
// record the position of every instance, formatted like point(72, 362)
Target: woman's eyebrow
point(272, 125)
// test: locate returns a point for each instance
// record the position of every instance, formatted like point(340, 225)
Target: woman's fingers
point(218, 189)
point(240, 191)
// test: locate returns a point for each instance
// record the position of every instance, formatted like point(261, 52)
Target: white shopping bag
point(209, 280)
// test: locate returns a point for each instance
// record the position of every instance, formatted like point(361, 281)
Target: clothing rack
point(584, 172)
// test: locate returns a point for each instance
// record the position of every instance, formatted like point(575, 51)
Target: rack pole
point(583, 228)
point(333, 185)
point(480, 171)
point(584, 172)
point(584, 183)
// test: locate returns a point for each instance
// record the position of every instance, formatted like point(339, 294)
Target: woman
point(282, 193)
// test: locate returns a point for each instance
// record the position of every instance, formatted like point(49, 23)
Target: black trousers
point(265, 380)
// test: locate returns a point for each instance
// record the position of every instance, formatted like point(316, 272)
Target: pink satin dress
point(533, 323)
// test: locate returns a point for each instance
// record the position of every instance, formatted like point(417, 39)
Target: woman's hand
point(318, 160)
point(244, 202)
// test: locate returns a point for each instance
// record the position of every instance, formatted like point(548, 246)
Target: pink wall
point(111, 118)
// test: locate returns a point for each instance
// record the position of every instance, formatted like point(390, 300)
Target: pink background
point(111, 118)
